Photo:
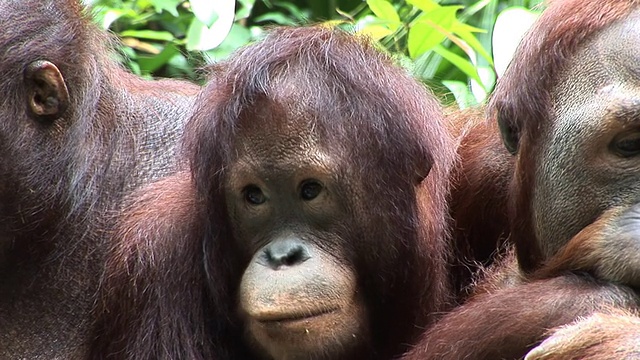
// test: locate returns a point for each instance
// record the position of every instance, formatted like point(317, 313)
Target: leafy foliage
point(447, 44)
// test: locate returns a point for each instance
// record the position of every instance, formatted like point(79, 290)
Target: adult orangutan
point(312, 225)
point(77, 134)
point(567, 111)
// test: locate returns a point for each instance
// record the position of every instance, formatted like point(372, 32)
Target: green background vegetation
point(447, 44)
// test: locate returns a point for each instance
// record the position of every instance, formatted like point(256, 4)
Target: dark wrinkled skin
point(67, 159)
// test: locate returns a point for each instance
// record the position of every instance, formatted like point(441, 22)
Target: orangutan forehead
point(284, 161)
point(285, 152)
point(272, 145)
point(603, 78)
point(616, 47)
point(303, 90)
point(280, 118)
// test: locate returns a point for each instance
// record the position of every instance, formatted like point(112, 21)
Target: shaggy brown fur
point(308, 103)
point(77, 134)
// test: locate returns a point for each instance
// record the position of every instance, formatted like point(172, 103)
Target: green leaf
point(245, 10)
point(488, 77)
point(170, 6)
point(510, 27)
point(148, 34)
point(375, 31)
point(203, 37)
point(426, 65)
point(152, 63)
point(197, 38)
point(275, 17)
point(238, 36)
point(205, 10)
point(487, 20)
point(462, 94)
point(461, 63)
point(375, 27)
point(430, 29)
point(107, 16)
point(130, 53)
point(465, 33)
point(424, 5)
point(472, 9)
point(295, 11)
point(422, 38)
point(134, 67)
point(142, 5)
point(130, 60)
point(384, 10)
point(460, 26)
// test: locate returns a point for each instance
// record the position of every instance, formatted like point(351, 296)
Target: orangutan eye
point(627, 145)
point(510, 135)
point(253, 195)
point(310, 189)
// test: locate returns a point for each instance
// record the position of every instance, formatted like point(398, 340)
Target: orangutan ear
point(510, 135)
point(423, 167)
point(47, 94)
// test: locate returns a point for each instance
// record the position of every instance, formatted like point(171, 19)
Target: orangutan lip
point(294, 317)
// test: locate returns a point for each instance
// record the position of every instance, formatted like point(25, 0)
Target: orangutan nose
point(285, 253)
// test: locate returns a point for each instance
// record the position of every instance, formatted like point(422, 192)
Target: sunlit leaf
point(332, 23)
point(107, 16)
point(510, 27)
point(205, 10)
point(200, 37)
point(384, 10)
point(460, 26)
point(472, 9)
point(461, 63)
point(481, 90)
point(465, 32)
point(430, 29)
point(375, 27)
point(375, 31)
point(424, 5)
point(148, 34)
